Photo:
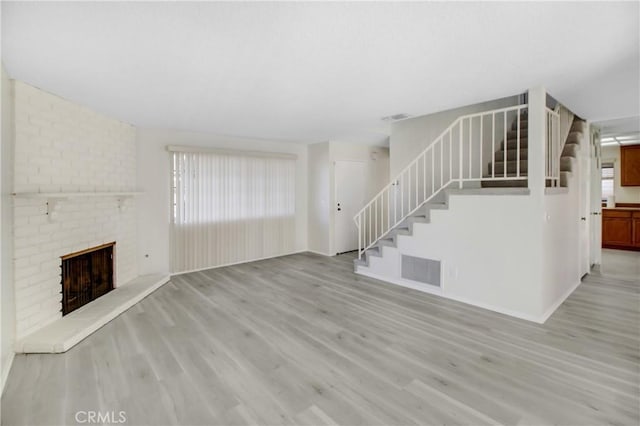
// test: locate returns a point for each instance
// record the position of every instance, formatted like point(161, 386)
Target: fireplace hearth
point(86, 275)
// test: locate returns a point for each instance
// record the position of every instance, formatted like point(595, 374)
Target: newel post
point(536, 138)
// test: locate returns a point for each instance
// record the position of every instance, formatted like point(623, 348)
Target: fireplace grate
point(86, 275)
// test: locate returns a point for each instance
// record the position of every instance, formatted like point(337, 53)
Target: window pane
point(607, 188)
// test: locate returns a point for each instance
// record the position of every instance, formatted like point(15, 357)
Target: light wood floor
point(302, 340)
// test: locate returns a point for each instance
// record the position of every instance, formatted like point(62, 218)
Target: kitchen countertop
point(635, 209)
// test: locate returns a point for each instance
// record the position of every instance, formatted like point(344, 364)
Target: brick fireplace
point(62, 148)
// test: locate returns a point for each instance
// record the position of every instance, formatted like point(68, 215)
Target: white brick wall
point(64, 147)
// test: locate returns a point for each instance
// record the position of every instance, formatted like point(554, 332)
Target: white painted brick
point(37, 259)
point(53, 246)
point(21, 263)
point(27, 312)
point(26, 242)
point(26, 293)
point(25, 231)
point(25, 252)
point(61, 146)
point(32, 277)
point(38, 220)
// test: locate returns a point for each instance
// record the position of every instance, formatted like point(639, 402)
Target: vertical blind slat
point(230, 208)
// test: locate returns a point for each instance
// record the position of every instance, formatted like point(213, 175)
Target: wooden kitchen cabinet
point(636, 229)
point(621, 229)
point(630, 165)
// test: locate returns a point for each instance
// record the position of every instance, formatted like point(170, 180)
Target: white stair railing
point(469, 150)
point(553, 148)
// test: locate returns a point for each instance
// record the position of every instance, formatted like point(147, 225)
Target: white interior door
point(585, 205)
point(596, 198)
point(350, 191)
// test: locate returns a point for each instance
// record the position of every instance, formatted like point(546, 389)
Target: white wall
point(487, 245)
point(561, 247)
point(319, 198)
point(154, 180)
point(410, 137)
point(7, 299)
point(481, 263)
point(64, 147)
point(623, 194)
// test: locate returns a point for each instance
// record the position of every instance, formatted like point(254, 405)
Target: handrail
point(407, 167)
point(461, 157)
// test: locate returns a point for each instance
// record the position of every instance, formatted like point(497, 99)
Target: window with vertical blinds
point(230, 207)
point(607, 180)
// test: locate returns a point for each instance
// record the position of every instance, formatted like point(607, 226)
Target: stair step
point(358, 262)
point(512, 154)
point(513, 134)
point(513, 144)
point(504, 183)
point(524, 123)
point(512, 167)
point(570, 150)
point(373, 251)
point(575, 137)
point(566, 164)
point(579, 126)
point(418, 219)
point(387, 241)
point(437, 206)
point(399, 230)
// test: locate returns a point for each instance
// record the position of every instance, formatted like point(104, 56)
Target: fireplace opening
point(86, 275)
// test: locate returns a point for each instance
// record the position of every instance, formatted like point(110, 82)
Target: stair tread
point(510, 161)
point(501, 176)
point(504, 183)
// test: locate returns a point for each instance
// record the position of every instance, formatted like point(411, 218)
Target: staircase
point(568, 159)
point(511, 151)
point(503, 174)
point(404, 228)
point(506, 158)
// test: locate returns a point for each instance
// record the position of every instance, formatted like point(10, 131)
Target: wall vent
point(421, 270)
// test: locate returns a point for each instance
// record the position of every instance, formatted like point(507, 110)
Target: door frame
point(333, 201)
point(584, 205)
point(595, 214)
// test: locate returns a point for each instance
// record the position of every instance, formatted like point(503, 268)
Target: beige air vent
point(422, 270)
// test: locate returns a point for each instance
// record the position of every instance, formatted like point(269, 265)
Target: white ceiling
point(622, 131)
point(618, 127)
point(317, 71)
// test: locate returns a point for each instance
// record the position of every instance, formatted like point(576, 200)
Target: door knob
point(583, 218)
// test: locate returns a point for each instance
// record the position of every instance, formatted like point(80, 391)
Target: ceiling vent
point(396, 117)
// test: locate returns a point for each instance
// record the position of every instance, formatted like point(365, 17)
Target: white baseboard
point(497, 309)
point(5, 370)
point(544, 317)
point(425, 288)
point(319, 252)
point(236, 263)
